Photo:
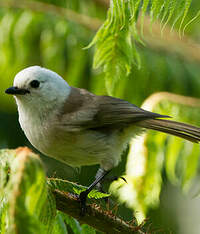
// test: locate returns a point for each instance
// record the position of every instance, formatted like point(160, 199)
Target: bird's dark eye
point(35, 84)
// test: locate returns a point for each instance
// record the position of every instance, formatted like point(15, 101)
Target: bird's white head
point(36, 87)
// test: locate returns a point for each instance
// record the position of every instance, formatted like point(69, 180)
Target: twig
point(99, 219)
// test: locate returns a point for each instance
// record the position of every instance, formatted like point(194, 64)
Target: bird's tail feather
point(182, 130)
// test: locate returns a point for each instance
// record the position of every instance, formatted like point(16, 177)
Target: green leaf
point(143, 12)
point(156, 9)
point(186, 9)
point(72, 223)
point(114, 49)
point(23, 191)
point(48, 215)
point(27, 203)
point(170, 11)
point(71, 187)
point(87, 229)
point(76, 226)
point(190, 164)
point(193, 19)
point(59, 225)
point(172, 154)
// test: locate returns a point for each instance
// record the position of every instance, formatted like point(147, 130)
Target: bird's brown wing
point(118, 112)
point(84, 110)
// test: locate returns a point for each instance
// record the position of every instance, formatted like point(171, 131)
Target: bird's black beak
point(16, 91)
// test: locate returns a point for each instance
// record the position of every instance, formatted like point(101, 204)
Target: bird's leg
point(83, 195)
point(100, 173)
point(107, 179)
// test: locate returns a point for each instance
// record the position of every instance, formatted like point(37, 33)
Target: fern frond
point(156, 9)
point(193, 19)
point(186, 9)
point(114, 42)
point(114, 48)
point(169, 12)
point(180, 9)
point(143, 12)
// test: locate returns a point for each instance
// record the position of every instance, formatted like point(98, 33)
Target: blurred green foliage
point(154, 153)
point(38, 38)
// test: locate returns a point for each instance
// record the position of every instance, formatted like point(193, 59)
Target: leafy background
point(167, 63)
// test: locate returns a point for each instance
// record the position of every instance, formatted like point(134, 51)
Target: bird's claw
point(120, 177)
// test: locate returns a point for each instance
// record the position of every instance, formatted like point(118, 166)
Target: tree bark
point(104, 221)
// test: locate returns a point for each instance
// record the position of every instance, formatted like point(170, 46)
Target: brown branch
point(156, 98)
point(99, 219)
point(88, 22)
point(169, 42)
point(103, 3)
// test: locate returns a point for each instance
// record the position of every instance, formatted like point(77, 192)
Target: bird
point(80, 128)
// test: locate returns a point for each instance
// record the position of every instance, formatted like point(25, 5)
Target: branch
point(156, 98)
point(90, 23)
point(185, 47)
point(99, 219)
point(103, 3)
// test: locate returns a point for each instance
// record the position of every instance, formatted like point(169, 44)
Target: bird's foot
point(82, 199)
point(83, 195)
